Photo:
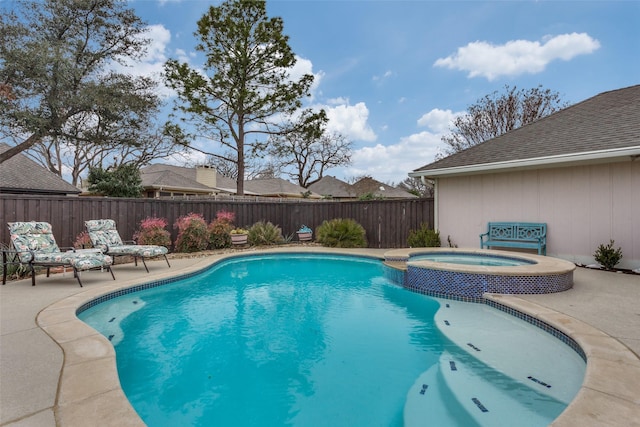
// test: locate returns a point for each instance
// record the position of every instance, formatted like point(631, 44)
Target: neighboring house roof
point(21, 175)
point(181, 178)
point(277, 187)
point(178, 178)
point(170, 180)
point(601, 128)
point(378, 189)
point(333, 187)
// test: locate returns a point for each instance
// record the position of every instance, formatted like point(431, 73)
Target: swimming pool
point(361, 349)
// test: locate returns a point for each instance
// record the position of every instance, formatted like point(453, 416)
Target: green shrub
point(607, 256)
point(265, 233)
point(193, 234)
point(220, 229)
point(424, 237)
point(152, 232)
point(341, 233)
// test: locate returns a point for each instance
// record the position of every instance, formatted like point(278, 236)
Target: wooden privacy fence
point(387, 222)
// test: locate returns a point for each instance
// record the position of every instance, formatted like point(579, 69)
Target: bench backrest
point(32, 236)
point(103, 232)
point(520, 231)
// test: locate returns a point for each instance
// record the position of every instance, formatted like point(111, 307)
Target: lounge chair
point(104, 234)
point(35, 246)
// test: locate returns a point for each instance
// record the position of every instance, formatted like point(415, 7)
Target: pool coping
point(607, 395)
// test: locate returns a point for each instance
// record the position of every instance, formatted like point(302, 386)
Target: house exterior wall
point(583, 207)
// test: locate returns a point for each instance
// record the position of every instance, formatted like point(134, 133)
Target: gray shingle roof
point(170, 179)
point(610, 120)
point(378, 189)
point(331, 186)
point(179, 177)
point(20, 174)
point(276, 187)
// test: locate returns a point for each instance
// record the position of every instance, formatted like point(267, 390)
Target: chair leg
point(167, 259)
point(144, 263)
point(33, 275)
point(4, 268)
point(111, 271)
point(77, 274)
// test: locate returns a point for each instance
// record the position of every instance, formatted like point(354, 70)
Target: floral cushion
point(104, 234)
point(32, 236)
point(146, 251)
point(35, 243)
point(80, 260)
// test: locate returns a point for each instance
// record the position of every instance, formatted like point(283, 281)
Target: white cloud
point(350, 121)
point(386, 75)
point(152, 63)
point(439, 121)
point(518, 56)
point(392, 163)
point(304, 66)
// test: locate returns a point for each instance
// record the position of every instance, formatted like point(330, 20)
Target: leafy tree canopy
point(56, 86)
point(245, 83)
point(120, 181)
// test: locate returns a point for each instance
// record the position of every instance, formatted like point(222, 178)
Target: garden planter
point(239, 239)
point(304, 236)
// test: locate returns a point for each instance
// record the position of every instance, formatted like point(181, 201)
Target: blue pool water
point(472, 259)
point(299, 340)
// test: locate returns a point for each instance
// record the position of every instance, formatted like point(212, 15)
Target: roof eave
point(178, 189)
point(592, 157)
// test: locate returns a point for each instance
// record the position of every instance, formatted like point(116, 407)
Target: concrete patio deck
point(42, 382)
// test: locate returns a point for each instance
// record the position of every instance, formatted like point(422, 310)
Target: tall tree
point(498, 113)
point(246, 83)
point(56, 87)
point(305, 158)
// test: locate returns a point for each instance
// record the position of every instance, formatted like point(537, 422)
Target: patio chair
point(35, 246)
point(104, 235)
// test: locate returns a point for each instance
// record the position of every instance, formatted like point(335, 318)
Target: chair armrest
point(17, 255)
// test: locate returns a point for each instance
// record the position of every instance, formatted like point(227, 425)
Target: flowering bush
point(82, 241)
point(152, 232)
point(220, 229)
point(193, 233)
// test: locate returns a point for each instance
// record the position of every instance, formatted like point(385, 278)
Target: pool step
point(429, 403)
point(480, 331)
point(483, 401)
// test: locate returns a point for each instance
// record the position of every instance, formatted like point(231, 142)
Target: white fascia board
point(537, 162)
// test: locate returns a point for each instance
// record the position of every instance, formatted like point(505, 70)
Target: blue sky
point(392, 75)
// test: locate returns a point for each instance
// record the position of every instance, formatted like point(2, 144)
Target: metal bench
point(527, 235)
